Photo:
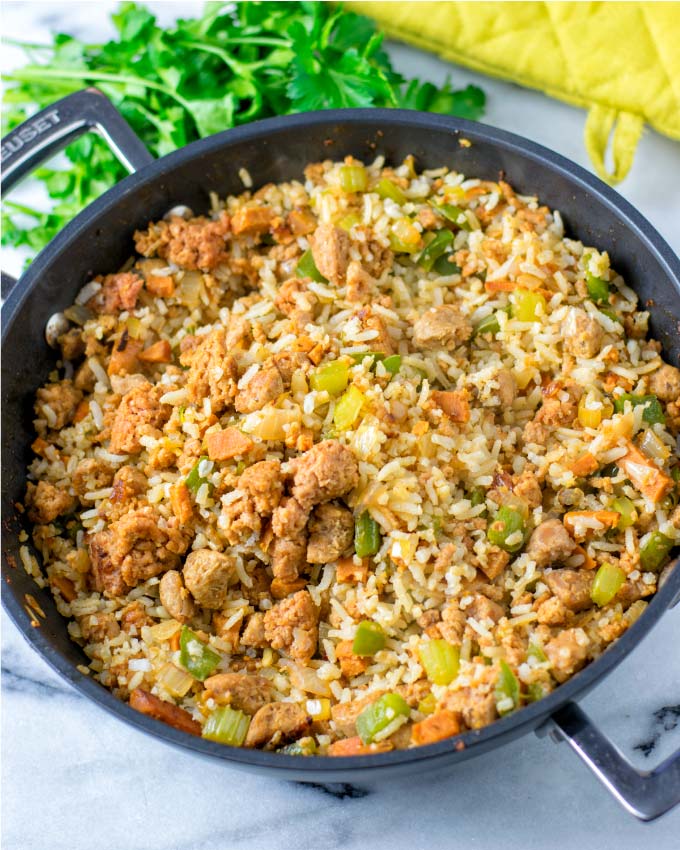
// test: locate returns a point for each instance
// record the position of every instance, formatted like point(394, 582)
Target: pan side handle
point(647, 794)
point(50, 130)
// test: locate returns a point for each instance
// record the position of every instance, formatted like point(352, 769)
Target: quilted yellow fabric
point(621, 61)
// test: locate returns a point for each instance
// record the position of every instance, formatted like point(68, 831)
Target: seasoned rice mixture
point(354, 463)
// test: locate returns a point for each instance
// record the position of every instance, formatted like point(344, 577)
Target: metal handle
point(647, 794)
point(50, 130)
point(56, 126)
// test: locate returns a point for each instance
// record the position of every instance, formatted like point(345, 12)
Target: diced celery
point(306, 267)
point(369, 638)
point(195, 656)
point(507, 521)
point(193, 479)
point(353, 178)
point(348, 408)
point(226, 726)
point(528, 305)
point(392, 363)
point(507, 687)
point(382, 718)
point(655, 551)
point(348, 222)
point(535, 651)
point(435, 249)
point(444, 267)
point(454, 214)
point(440, 660)
point(488, 325)
point(535, 691)
point(387, 189)
point(598, 289)
point(477, 496)
point(627, 512)
point(332, 377)
point(404, 237)
point(606, 584)
point(367, 537)
point(302, 747)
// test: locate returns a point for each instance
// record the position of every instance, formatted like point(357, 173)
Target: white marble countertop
point(73, 778)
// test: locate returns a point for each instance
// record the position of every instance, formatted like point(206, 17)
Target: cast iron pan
point(277, 149)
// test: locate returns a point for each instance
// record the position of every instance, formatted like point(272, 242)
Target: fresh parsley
point(236, 63)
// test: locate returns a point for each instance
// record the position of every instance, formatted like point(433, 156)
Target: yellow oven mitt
point(621, 61)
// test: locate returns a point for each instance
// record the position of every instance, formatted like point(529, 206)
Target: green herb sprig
point(236, 63)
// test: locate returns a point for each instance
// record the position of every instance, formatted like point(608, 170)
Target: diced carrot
point(39, 446)
point(442, 724)
point(356, 747)
point(279, 588)
point(304, 343)
point(453, 403)
point(223, 445)
point(125, 356)
point(167, 712)
point(588, 562)
point(500, 285)
point(651, 481)
point(251, 220)
point(65, 586)
point(347, 571)
point(584, 465)
point(159, 352)
point(421, 427)
point(157, 284)
point(316, 354)
point(180, 502)
point(81, 411)
point(174, 642)
point(609, 519)
point(301, 222)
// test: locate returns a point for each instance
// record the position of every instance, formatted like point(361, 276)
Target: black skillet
point(277, 149)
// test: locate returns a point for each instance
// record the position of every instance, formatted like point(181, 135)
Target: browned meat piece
point(175, 597)
point(454, 404)
point(241, 520)
point(84, 378)
point(527, 487)
point(291, 625)
point(241, 691)
point(134, 617)
point(253, 634)
point(331, 530)
point(277, 723)
point(263, 483)
point(428, 218)
point(582, 334)
point(287, 362)
point(288, 557)
point(507, 387)
point(476, 706)
point(552, 612)
point(72, 344)
point(213, 373)
point(497, 560)
point(118, 292)
point(429, 622)
point(482, 608)
point(665, 383)
point(139, 414)
point(330, 249)
point(207, 575)
point(344, 714)
point(61, 399)
point(550, 543)
point(441, 327)
point(289, 518)
point(239, 333)
point(98, 626)
point(414, 692)
point(265, 386)
point(567, 653)
point(571, 587)
point(631, 591)
point(301, 222)
point(382, 341)
point(128, 482)
point(251, 220)
point(167, 712)
point(375, 257)
point(296, 301)
point(350, 664)
point(91, 474)
point(132, 549)
point(328, 470)
point(361, 286)
point(46, 502)
point(195, 244)
point(555, 411)
point(534, 432)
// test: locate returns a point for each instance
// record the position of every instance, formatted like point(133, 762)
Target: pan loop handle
point(647, 794)
point(52, 129)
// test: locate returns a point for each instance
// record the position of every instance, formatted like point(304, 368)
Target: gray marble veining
point(74, 778)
